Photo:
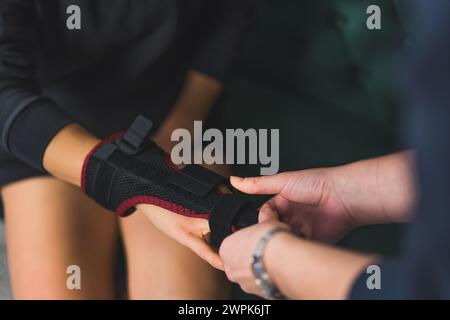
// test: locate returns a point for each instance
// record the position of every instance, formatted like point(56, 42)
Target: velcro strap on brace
point(197, 180)
point(226, 216)
point(137, 137)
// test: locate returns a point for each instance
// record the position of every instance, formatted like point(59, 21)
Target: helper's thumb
point(260, 185)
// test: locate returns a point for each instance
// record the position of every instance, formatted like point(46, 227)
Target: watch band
point(262, 277)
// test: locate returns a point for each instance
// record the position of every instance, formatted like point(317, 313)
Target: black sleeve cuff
point(33, 129)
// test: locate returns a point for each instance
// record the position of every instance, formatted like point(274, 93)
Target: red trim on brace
point(109, 139)
point(126, 205)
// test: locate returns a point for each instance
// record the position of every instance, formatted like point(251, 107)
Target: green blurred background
point(314, 70)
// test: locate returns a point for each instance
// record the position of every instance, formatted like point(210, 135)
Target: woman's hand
point(190, 232)
point(198, 95)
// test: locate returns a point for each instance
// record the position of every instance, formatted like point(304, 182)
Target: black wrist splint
point(130, 169)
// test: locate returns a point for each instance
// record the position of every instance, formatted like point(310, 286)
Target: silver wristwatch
point(262, 277)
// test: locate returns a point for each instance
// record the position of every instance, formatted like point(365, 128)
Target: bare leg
point(51, 225)
point(160, 268)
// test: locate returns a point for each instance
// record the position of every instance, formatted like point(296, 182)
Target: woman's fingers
point(261, 185)
point(267, 213)
point(197, 240)
point(204, 251)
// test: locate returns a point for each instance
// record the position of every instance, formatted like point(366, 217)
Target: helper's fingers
point(261, 185)
point(204, 251)
point(309, 187)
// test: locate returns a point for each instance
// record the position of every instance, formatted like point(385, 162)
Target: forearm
point(65, 154)
point(380, 190)
point(67, 151)
point(305, 270)
point(199, 94)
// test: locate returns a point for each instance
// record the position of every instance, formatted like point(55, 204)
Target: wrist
point(65, 155)
point(353, 185)
point(163, 140)
point(273, 256)
point(366, 189)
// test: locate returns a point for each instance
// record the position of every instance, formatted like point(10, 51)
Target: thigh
point(51, 225)
point(160, 268)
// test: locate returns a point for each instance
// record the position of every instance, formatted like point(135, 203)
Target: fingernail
point(235, 178)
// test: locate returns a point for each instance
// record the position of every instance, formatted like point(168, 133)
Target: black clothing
point(130, 57)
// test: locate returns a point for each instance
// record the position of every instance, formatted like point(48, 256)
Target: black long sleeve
point(28, 120)
point(423, 271)
point(128, 55)
point(227, 23)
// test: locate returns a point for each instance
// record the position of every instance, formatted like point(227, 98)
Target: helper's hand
point(237, 254)
point(325, 204)
point(299, 268)
point(308, 201)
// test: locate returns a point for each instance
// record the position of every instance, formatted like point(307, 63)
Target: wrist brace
point(130, 169)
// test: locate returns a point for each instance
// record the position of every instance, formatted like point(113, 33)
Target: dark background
point(313, 70)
